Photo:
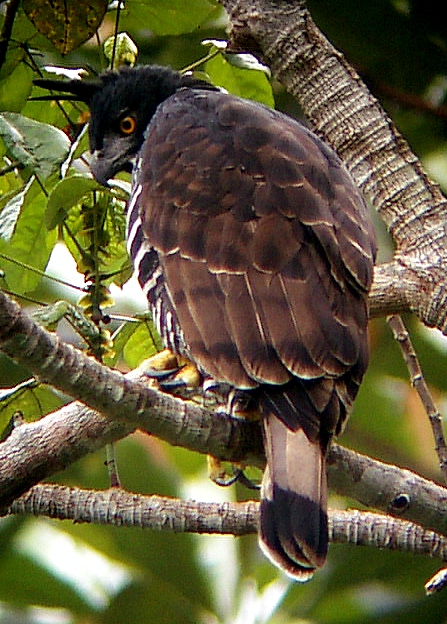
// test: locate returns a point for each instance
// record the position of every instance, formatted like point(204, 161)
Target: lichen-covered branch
point(118, 507)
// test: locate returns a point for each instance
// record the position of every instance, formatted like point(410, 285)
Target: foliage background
point(61, 573)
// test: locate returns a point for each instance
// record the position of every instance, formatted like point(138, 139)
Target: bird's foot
point(219, 474)
point(178, 375)
point(239, 404)
point(172, 373)
point(161, 365)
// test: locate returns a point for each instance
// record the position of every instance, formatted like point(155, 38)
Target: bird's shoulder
point(237, 184)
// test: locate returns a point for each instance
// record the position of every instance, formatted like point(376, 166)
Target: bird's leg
point(179, 375)
point(239, 405)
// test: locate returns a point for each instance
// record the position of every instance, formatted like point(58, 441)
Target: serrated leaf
point(36, 145)
point(66, 23)
point(67, 193)
point(252, 84)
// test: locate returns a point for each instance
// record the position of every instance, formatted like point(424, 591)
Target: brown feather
point(267, 252)
point(293, 531)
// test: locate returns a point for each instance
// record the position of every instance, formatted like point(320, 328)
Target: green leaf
point(31, 401)
point(120, 339)
point(42, 587)
point(66, 23)
point(11, 211)
point(14, 56)
point(65, 194)
point(15, 88)
point(30, 243)
point(166, 18)
point(36, 145)
point(142, 344)
point(236, 78)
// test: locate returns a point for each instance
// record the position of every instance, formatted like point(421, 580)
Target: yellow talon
point(188, 373)
point(218, 474)
point(165, 360)
point(172, 372)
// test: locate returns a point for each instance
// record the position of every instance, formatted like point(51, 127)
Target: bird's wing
point(264, 241)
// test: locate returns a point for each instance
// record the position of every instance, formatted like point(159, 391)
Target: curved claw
point(186, 376)
point(220, 476)
point(173, 382)
point(248, 483)
point(228, 480)
point(153, 373)
point(171, 371)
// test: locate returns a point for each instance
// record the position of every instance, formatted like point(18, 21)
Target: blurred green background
point(62, 573)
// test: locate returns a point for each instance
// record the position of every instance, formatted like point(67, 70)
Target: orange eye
point(128, 125)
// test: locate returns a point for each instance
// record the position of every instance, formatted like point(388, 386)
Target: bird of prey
point(256, 252)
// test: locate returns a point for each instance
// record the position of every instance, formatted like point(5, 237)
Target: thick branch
point(387, 487)
point(120, 508)
point(36, 450)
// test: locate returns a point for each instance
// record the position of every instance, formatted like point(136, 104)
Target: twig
point(5, 35)
point(437, 582)
point(417, 380)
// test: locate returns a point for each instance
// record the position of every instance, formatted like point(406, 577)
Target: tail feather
point(293, 530)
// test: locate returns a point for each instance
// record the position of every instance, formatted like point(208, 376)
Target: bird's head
point(121, 105)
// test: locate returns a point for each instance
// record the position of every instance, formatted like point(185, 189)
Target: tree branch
point(417, 380)
point(378, 485)
point(118, 507)
point(36, 450)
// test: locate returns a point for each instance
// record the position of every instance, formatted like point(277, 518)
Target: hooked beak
point(108, 161)
point(102, 168)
